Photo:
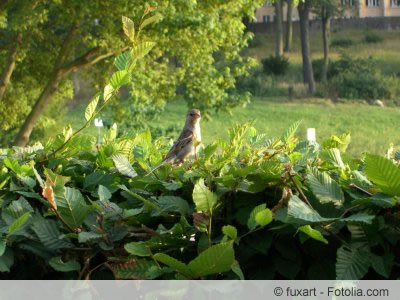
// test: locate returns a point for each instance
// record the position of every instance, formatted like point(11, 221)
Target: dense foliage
point(357, 79)
point(373, 38)
point(252, 207)
point(275, 65)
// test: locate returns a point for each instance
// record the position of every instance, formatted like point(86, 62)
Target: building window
point(347, 2)
point(266, 19)
point(372, 3)
point(395, 3)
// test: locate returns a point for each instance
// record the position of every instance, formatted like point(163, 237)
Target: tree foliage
point(197, 56)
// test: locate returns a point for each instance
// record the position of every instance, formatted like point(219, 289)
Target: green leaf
point(141, 268)
point(264, 217)
point(71, 206)
point(173, 204)
point(204, 199)
point(174, 263)
point(291, 131)
point(12, 164)
point(123, 61)
point(15, 210)
point(57, 264)
point(108, 92)
point(230, 231)
point(360, 217)
point(91, 108)
point(336, 158)
point(301, 213)
point(6, 260)
point(383, 173)
point(142, 49)
point(315, 234)
point(237, 270)
point(216, 259)
point(325, 188)
point(87, 236)
point(119, 79)
point(18, 223)
point(129, 28)
point(49, 234)
point(123, 165)
point(3, 246)
point(138, 249)
point(252, 223)
point(352, 263)
point(150, 20)
point(382, 264)
point(104, 193)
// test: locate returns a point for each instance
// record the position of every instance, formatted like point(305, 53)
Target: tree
point(304, 8)
point(289, 26)
point(326, 10)
point(278, 28)
point(197, 55)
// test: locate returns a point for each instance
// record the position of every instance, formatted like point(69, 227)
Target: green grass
point(372, 128)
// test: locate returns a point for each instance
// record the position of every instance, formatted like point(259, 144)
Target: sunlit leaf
point(91, 108)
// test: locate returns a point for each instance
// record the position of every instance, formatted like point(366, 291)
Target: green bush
point(361, 79)
point(260, 85)
point(357, 79)
point(275, 65)
point(373, 38)
point(342, 43)
point(250, 207)
point(318, 66)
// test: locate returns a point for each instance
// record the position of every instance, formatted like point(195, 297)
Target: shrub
point(275, 65)
point(373, 38)
point(360, 79)
point(342, 43)
point(356, 79)
point(318, 66)
point(91, 212)
point(260, 85)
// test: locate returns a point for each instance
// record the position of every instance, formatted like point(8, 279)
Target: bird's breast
point(197, 134)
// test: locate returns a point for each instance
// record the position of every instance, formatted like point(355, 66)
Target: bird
point(187, 143)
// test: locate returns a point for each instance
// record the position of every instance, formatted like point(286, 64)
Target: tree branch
point(66, 47)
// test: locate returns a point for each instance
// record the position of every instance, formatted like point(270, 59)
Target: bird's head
point(193, 116)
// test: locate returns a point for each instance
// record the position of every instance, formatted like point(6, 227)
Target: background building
point(365, 9)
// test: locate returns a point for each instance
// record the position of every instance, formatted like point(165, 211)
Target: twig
point(298, 189)
point(352, 185)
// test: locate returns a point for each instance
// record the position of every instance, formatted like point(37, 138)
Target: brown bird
point(187, 143)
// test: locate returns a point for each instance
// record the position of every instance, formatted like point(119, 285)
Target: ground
point(373, 128)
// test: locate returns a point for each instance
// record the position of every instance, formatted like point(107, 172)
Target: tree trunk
point(61, 71)
point(10, 65)
point(289, 26)
point(326, 29)
point(308, 76)
point(278, 28)
point(42, 102)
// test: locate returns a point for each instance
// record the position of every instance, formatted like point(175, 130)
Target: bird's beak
point(197, 116)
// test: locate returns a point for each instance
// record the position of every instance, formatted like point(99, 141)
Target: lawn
point(372, 128)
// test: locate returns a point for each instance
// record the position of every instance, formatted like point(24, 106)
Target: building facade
point(361, 9)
